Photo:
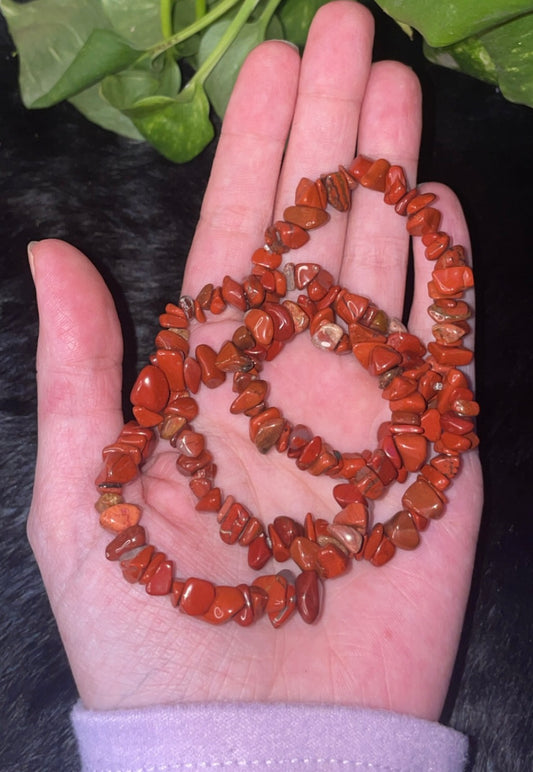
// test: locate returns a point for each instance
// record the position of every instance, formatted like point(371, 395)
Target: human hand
point(388, 636)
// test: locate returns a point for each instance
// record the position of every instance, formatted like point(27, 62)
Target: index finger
point(239, 199)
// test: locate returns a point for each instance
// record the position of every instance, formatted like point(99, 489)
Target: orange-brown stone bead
point(383, 358)
point(250, 397)
point(355, 515)
point(287, 529)
point(185, 407)
point(436, 244)
point(375, 176)
point(192, 372)
point(383, 467)
point(278, 618)
point(307, 217)
point(282, 321)
point(384, 552)
point(260, 325)
point(444, 310)
point(119, 517)
point(430, 423)
point(421, 498)
point(453, 356)
point(309, 193)
point(419, 202)
point(254, 291)
point(399, 387)
point(369, 483)
point(157, 559)
point(346, 493)
point(151, 390)
point(212, 375)
point(217, 304)
point(190, 443)
point(350, 537)
point(108, 500)
point(126, 540)
point(210, 501)
point(373, 541)
point(280, 551)
point(197, 596)
point(266, 258)
point(412, 449)
point(395, 185)
point(255, 600)
point(133, 568)
point(300, 319)
point(308, 596)
point(304, 553)
point(253, 529)
point(275, 585)
point(170, 340)
point(436, 478)
point(412, 403)
point(233, 293)
point(231, 359)
point(171, 363)
point(120, 468)
point(331, 562)
point(447, 465)
point(359, 166)
point(423, 221)
point(234, 523)
point(259, 552)
point(402, 531)
point(160, 582)
point(228, 601)
point(451, 280)
point(176, 591)
point(337, 191)
point(291, 235)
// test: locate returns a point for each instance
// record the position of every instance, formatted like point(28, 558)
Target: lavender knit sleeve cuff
point(256, 736)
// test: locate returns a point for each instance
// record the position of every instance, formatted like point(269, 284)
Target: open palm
point(388, 636)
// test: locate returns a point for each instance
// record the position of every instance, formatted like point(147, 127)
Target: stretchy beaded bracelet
point(432, 409)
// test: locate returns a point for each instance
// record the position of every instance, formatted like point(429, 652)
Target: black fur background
point(133, 213)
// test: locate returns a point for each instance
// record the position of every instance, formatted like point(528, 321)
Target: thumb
point(79, 374)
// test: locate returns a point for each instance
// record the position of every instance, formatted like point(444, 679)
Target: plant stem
point(197, 26)
point(225, 41)
point(268, 12)
point(200, 8)
point(166, 17)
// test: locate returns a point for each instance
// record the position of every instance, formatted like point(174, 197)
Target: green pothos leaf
point(184, 13)
point(104, 52)
point(447, 22)
point(48, 35)
point(179, 128)
point(99, 54)
point(137, 21)
point(502, 56)
point(296, 16)
point(96, 109)
point(124, 89)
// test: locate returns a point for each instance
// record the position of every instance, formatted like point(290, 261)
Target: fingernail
point(31, 258)
point(287, 43)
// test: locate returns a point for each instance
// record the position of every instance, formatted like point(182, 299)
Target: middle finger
point(333, 77)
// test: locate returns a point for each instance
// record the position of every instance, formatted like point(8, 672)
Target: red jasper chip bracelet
point(432, 410)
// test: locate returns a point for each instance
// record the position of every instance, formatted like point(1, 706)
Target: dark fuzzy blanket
point(132, 213)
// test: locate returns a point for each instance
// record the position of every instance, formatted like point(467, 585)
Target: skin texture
point(388, 636)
